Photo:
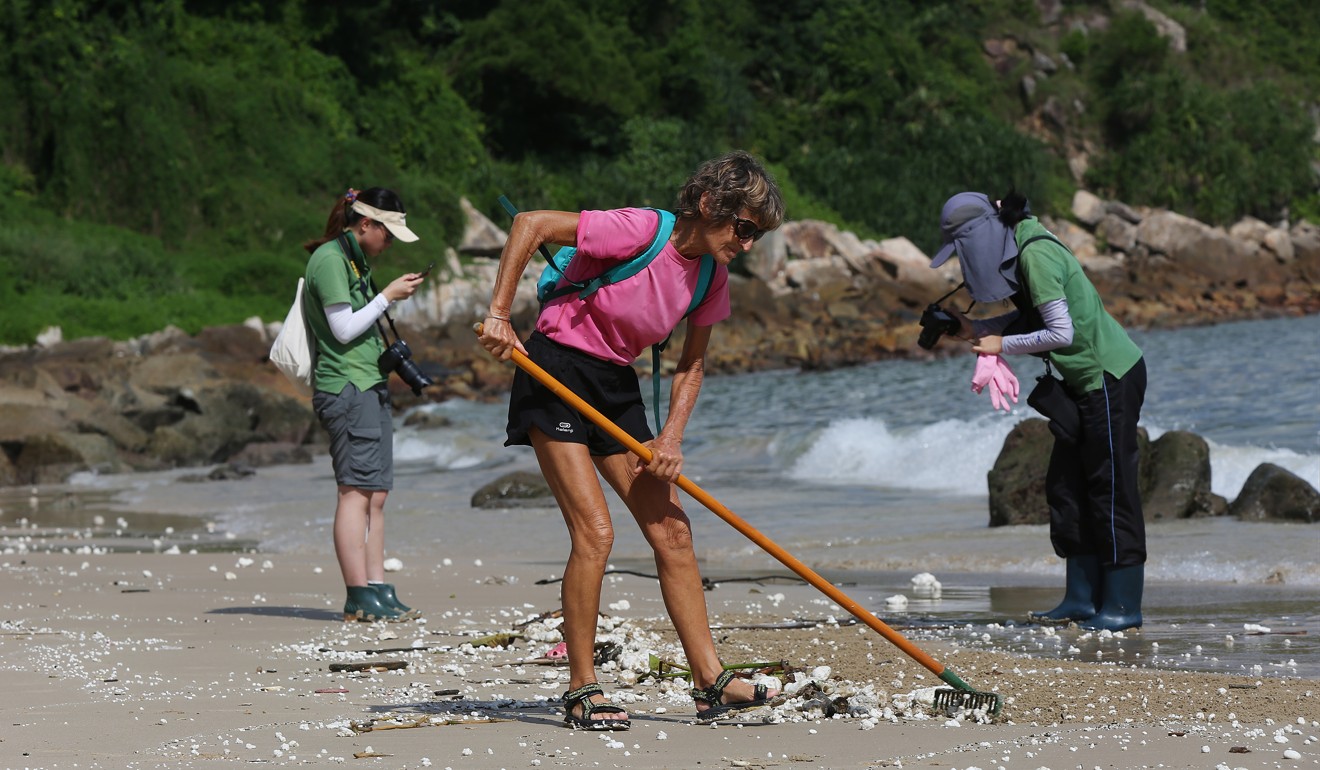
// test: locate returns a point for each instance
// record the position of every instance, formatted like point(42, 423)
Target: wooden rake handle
point(717, 508)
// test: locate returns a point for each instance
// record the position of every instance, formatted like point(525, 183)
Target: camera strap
point(368, 287)
point(952, 292)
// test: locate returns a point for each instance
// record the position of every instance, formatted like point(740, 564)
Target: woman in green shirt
point(350, 397)
point(1096, 521)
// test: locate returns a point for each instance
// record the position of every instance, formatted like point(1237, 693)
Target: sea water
point(870, 475)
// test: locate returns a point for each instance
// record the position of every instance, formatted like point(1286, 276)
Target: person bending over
point(589, 344)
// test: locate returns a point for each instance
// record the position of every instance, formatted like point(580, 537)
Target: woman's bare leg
point(569, 471)
point(375, 550)
point(350, 534)
point(654, 504)
point(359, 534)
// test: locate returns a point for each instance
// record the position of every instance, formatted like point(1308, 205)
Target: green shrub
point(1211, 152)
point(182, 150)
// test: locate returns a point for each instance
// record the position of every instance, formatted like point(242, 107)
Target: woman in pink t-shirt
point(589, 346)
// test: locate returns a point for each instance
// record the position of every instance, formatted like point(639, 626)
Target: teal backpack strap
point(549, 286)
point(707, 272)
point(703, 283)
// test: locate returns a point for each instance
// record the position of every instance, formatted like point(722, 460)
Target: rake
point(958, 695)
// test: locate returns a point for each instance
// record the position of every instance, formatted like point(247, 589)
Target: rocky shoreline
point(808, 297)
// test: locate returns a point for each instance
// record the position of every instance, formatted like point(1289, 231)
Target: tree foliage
point(1216, 153)
point(182, 150)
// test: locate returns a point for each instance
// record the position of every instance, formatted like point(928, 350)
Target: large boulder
point(1088, 208)
point(815, 275)
point(166, 374)
point(766, 260)
point(910, 270)
point(1276, 494)
point(1203, 250)
point(223, 419)
point(28, 413)
point(480, 235)
point(1305, 239)
point(1117, 233)
point(1175, 481)
point(52, 457)
point(1260, 237)
point(1017, 480)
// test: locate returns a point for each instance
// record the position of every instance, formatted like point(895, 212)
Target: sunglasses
point(389, 236)
point(746, 228)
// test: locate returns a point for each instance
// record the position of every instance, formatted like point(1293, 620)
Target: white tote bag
point(293, 352)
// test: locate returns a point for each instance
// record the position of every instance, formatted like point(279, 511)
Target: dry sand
point(211, 660)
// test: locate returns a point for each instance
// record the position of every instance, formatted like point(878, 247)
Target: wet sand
point(119, 660)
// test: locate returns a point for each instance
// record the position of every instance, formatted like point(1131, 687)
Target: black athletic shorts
point(611, 388)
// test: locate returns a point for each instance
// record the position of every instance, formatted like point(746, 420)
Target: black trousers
point(1091, 486)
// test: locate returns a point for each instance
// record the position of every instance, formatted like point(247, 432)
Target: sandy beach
point(221, 659)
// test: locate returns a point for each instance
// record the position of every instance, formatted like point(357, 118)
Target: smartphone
point(427, 271)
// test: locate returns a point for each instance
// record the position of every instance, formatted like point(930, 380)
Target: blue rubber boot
point(1121, 588)
point(364, 604)
point(388, 598)
point(1081, 595)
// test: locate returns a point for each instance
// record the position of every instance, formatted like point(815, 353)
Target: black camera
point(935, 323)
point(398, 358)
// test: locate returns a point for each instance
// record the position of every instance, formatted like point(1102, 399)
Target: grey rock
point(1272, 493)
point(480, 235)
point(1175, 481)
point(1117, 232)
point(1201, 249)
point(1088, 208)
point(226, 418)
point(1017, 480)
point(514, 490)
point(1123, 211)
point(52, 457)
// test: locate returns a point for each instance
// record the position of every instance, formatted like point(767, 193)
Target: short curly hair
point(735, 181)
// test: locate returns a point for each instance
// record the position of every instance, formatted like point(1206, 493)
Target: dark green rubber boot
point(364, 604)
point(1081, 594)
point(1122, 588)
point(388, 598)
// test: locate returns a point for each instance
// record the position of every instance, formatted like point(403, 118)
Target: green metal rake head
point(951, 700)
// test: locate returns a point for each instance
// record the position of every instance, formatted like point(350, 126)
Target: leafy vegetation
point(163, 160)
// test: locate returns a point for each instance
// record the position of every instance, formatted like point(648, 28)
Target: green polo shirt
point(1099, 343)
point(332, 280)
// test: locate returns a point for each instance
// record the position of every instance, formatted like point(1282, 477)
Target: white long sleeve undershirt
point(347, 325)
point(1058, 331)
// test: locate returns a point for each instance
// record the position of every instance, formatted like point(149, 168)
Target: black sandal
point(582, 695)
point(714, 694)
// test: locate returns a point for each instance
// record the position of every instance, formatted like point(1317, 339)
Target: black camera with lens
point(397, 358)
point(935, 323)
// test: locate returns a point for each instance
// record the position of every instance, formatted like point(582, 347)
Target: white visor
point(394, 221)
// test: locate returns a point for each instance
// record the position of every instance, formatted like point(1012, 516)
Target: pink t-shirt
point(619, 321)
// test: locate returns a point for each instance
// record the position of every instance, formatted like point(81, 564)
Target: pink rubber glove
point(1006, 382)
point(994, 371)
point(986, 366)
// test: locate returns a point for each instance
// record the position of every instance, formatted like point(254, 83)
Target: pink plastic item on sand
point(558, 651)
point(994, 371)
